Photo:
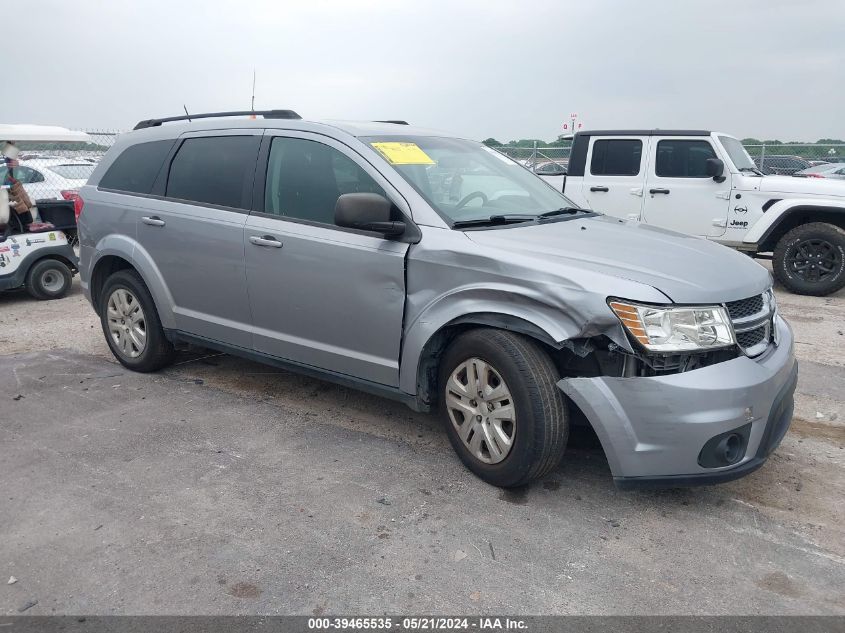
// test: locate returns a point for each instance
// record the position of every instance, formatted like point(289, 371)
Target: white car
point(51, 178)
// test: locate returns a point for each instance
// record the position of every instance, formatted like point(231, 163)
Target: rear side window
point(22, 174)
point(214, 170)
point(616, 157)
point(135, 170)
point(683, 159)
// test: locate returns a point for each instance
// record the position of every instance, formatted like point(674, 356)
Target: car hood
point(811, 186)
point(686, 269)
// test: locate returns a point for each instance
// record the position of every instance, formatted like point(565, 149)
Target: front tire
point(504, 415)
point(48, 279)
point(131, 325)
point(810, 259)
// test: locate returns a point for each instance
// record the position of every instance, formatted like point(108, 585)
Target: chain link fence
point(56, 171)
point(771, 158)
point(788, 158)
point(541, 160)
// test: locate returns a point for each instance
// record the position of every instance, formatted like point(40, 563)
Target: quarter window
point(616, 157)
point(683, 159)
point(135, 170)
point(305, 179)
point(214, 170)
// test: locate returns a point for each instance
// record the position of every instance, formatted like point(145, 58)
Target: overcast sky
point(479, 68)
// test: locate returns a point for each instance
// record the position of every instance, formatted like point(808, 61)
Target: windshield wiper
point(493, 220)
point(561, 211)
point(753, 170)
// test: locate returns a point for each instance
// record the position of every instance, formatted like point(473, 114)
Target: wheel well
point(796, 216)
point(57, 258)
point(107, 266)
point(429, 363)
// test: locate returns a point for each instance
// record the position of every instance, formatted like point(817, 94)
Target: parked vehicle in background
point(52, 178)
point(436, 271)
point(705, 184)
point(781, 165)
point(826, 170)
point(550, 168)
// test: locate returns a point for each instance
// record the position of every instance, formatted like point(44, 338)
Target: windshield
point(739, 157)
point(467, 181)
point(73, 172)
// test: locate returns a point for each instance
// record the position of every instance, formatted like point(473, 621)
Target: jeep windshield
point(471, 185)
point(738, 155)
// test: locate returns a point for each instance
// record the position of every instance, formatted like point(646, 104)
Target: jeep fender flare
point(129, 250)
point(784, 209)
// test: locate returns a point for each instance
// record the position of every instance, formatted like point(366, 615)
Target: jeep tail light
point(78, 203)
point(814, 176)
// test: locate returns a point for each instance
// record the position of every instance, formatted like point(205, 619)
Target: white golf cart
point(35, 253)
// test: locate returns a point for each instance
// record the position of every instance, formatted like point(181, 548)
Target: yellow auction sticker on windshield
point(403, 153)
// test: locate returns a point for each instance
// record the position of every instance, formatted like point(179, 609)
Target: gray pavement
point(166, 494)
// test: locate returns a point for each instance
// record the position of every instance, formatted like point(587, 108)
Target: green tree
point(492, 142)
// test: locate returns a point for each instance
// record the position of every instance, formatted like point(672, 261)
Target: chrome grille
point(751, 338)
point(745, 307)
point(752, 322)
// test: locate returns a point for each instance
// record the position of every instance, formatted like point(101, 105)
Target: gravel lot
point(224, 486)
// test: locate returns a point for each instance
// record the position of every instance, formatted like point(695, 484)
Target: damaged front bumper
point(658, 431)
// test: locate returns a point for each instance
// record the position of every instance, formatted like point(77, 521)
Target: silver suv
point(436, 271)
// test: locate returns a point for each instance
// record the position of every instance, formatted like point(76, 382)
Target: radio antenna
point(252, 105)
point(185, 108)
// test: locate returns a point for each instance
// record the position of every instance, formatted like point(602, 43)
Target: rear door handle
point(652, 191)
point(153, 220)
point(599, 189)
point(266, 240)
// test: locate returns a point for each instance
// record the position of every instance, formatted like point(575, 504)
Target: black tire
point(48, 279)
point(158, 352)
point(541, 424)
point(798, 253)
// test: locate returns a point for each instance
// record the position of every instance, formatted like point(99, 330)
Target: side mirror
point(715, 168)
point(366, 212)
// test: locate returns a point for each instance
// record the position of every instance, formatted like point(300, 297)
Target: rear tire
point(131, 325)
point(502, 385)
point(810, 259)
point(48, 279)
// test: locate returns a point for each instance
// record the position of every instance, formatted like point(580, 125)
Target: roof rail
point(396, 122)
point(267, 114)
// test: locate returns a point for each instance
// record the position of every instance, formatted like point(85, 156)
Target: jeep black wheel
point(810, 259)
point(503, 412)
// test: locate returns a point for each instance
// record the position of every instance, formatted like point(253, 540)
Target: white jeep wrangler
point(705, 184)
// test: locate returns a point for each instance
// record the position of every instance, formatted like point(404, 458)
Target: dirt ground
point(787, 519)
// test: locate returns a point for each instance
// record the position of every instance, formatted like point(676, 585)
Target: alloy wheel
point(814, 260)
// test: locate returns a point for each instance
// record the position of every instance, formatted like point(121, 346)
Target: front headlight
point(670, 329)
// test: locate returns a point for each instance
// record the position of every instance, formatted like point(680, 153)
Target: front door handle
point(153, 220)
point(605, 189)
point(653, 191)
point(265, 240)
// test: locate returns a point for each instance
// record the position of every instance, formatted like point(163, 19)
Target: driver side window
point(305, 178)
